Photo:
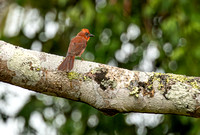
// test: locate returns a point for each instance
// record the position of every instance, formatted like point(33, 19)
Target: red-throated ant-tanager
point(76, 48)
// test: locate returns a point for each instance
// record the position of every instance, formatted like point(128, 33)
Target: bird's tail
point(67, 64)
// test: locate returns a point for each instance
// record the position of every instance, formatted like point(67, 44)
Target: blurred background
point(145, 35)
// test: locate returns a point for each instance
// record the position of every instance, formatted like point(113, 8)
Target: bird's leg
point(81, 58)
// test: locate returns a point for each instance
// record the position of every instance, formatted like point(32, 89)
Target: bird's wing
point(77, 45)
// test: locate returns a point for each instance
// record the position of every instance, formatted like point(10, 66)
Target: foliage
point(151, 35)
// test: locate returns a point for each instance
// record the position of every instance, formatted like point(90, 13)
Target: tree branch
point(106, 88)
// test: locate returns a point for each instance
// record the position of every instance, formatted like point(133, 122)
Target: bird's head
point(85, 33)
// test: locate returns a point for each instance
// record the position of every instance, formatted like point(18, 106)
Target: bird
point(76, 48)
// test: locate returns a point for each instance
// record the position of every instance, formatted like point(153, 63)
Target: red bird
point(76, 48)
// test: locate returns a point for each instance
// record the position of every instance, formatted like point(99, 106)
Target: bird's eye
point(86, 33)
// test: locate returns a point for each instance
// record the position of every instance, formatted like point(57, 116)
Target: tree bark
point(109, 89)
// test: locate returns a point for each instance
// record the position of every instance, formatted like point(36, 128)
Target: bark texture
point(109, 89)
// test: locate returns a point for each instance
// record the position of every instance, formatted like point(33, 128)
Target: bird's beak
point(91, 35)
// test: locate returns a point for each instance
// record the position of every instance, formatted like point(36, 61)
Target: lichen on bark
point(26, 67)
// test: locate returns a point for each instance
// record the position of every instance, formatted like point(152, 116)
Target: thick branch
point(109, 89)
